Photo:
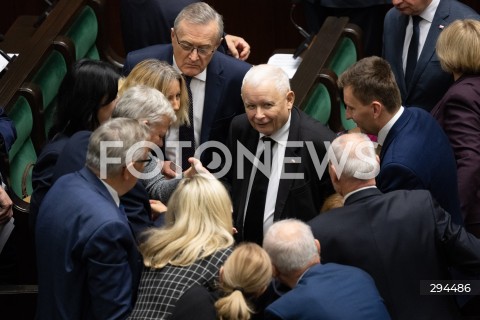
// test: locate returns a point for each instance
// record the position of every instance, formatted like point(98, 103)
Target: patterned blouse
point(160, 289)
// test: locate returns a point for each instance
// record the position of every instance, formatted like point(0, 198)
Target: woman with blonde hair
point(189, 250)
point(458, 112)
point(163, 77)
point(246, 274)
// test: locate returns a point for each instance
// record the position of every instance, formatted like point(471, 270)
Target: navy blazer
point(222, 91)
point(459, 114)
point(135, 202)
point(416, 154)
point(87, 258)
point(296, 198)
point(330, 291)
point(429, 82)
point(399, 238)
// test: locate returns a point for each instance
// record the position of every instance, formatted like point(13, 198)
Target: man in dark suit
point(332, 291)
point(400, 238)
point(215, 78)
point(88, 263)
point(298, 184)
point(148, 22)
point(415, 152)
point(428, 81)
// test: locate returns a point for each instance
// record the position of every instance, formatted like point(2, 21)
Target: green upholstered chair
point(348, 52)
point(22, 155)
point(318, 105)
point(83, 32)
point(323, 101)
point(49, 77)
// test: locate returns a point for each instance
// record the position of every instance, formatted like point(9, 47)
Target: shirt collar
point(281, 135)
point(355, 191)
point(202, 76)
point(429, 12)
point(382, 134)
point(112, 192)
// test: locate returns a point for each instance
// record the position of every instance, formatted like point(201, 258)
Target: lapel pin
point(441, 27)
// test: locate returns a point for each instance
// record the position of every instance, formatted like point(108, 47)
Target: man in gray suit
point(428, 82)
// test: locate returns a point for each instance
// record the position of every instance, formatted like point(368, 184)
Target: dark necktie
point(412, 55)
point(186, 133)
point(253, 225)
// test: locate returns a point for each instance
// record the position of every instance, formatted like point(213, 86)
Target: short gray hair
point(200, 13)
point(290, 245)
point(144, 103)
point(126, 131)
point(262, 73)
point(353, 156)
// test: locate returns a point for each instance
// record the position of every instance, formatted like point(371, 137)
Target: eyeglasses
point(204, 51)
point(146, 161)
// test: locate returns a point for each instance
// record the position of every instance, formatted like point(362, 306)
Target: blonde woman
point(163, 77)
point(244, 276)
point(189, 250)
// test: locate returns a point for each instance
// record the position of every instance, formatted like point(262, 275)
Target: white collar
point(382, 134)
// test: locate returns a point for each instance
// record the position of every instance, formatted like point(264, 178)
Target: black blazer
point(399, 238)
point(296, 198)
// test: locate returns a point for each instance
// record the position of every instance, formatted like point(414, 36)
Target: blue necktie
point(412, 55)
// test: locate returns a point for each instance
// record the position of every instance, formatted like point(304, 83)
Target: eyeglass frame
point(146, 161)
point(188, 47)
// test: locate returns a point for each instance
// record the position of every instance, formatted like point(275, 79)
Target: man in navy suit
point(400, 238)
point(429, 82)
point(215, 78)
point(318, 291)
point(297, 185)
point(88, 263)
point(415, 152)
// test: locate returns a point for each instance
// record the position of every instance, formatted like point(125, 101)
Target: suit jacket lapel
point(428, 52)
point(213, 90)
point(394, 131)
point(397, 64)
point(286, 184)
point(251, 142)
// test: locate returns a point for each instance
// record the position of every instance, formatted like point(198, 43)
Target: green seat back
point(318, 105)
point(345, 56)
point(48, 78)
point(83, 33)
point(22, 155)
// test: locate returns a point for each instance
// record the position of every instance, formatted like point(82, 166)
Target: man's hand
point(169, 169)
point(6, 211)
point(196, 166)
point(238, 47)
point(157, 208)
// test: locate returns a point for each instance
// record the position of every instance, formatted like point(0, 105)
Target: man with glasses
point(214, 81)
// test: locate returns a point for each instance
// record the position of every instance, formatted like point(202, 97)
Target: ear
point(290, 99)
point(220, 274)
point(333, 173)
point(377, 109)
point(275, 272)
point(317, 244)
point(125, 171)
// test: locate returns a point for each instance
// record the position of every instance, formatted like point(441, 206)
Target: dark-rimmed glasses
point(203, 51)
